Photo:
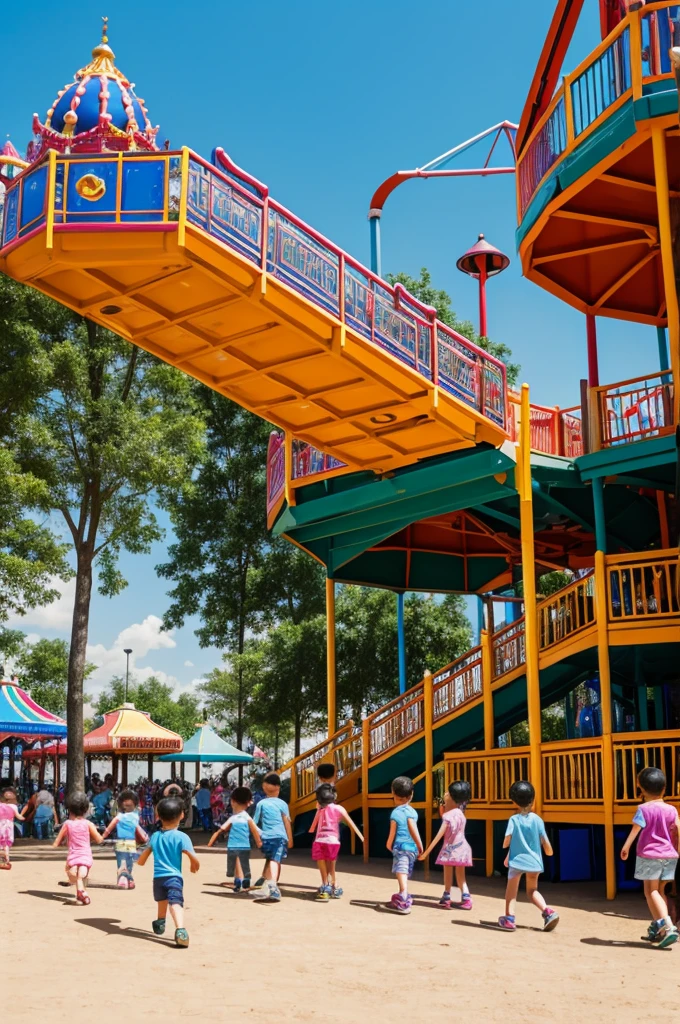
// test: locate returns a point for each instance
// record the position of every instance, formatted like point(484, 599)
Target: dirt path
point(348, 960)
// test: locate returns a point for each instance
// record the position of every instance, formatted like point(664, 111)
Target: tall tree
point(423, 289)
point(112, 430)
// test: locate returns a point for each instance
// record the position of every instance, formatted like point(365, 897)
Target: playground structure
point(404, 459)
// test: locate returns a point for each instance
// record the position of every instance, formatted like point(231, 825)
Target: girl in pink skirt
point(79, 832)
point(9, 813)
point(455, 852)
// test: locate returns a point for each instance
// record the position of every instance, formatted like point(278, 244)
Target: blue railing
point(602, 83)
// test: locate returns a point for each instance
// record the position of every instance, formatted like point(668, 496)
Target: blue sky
point(322, 102)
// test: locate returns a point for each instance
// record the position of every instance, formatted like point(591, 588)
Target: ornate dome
point(98, 110)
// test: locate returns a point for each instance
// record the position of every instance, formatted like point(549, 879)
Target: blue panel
point(79, 209)
point(59, 188)
point(304, 263)
point(10, 221)
point(224, 211)
point(358, 301)
point(143, 185)
point(62, 106)
point(33, 199)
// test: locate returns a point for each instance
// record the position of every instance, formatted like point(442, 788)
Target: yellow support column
point(667, 261)
point(489, 737)
point(428, 719)
point(330, 655)
point(601, 610)
point(365, 755)
point(293, 790)
point(526, 515)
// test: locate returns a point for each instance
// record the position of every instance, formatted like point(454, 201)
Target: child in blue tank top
point(128, 834)
point(239, 828)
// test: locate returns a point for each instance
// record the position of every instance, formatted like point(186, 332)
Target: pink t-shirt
point(328, 824)
point(79, 849)
point(657, 821)
point(7, 811)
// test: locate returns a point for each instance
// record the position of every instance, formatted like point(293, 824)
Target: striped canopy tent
point(127, 732)
point(206, 746)
point(24, 720)
point(54, 749)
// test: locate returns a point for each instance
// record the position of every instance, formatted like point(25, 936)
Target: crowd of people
point(265, 823)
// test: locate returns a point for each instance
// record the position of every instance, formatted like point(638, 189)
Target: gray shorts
point(244, 857)
point(655, 869)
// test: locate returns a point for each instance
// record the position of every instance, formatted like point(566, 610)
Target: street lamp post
point(483, 261)
point(128, 652)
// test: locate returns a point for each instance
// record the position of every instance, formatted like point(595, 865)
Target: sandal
point(6, 866)
point(83, 898)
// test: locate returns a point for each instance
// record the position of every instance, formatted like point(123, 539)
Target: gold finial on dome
point(102, 58)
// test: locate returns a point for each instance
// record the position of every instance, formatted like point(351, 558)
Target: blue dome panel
point(87, 110)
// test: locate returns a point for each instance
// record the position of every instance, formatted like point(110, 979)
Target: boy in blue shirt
point(404, 841)
point(168, 845)
point(240, 827)
point(273, 818)
point(526, 837)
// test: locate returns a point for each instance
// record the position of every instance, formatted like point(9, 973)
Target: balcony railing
point(643, 587)
point(635, 751)
point(567, 612)
point(633, 55)
point(634, 410)
point(553, 431)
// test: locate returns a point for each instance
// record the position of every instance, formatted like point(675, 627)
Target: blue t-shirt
point(239, 831)
point(526, 832)
point(269, 816)
point(203, 798)
point(127, 824)
point(167, 846)
point(403, 839)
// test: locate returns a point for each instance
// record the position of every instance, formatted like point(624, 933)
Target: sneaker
point(337, 892)
point(261, 892)
point(401, 904)
point(182, 938)
point(122, 882)
point(445, 901)
point(246, 884)
point(507, 924)
point(465, 902)
point(275, 893)
point(652, 933)
point(667, 936)
point(158, 926)
point(550, 919)
point(238, 885)
point(323, 894)
point(131, 884)
point(259, 884)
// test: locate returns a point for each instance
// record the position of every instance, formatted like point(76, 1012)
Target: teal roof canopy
point(206, 745)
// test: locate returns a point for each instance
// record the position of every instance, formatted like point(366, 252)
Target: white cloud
point(188, 664)
point(58, 615)
point(141, 637)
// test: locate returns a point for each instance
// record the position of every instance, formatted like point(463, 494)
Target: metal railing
point(635, 53)
point(643, 587)
point(457, 684)
point(634, 410)
point(566, 612)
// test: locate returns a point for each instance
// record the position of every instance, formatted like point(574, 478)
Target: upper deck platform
point(198, 265)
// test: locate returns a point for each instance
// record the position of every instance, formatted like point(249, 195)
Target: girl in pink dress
point(9, 813)
point(79, 832)
point(455, 853)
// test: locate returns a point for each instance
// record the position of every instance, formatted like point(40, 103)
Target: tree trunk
point(276, 748)
point(75, 759)
point(298, 732)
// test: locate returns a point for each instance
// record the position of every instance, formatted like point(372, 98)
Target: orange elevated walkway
point(202, 268)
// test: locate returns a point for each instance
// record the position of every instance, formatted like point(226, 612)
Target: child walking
point(455, 854)
point(9, 813)
point(326, 845)
point(79, 834)
point(273, 818)
point(128, 833)
point(404, 841)
point(168, 845)
point(657, 828)
point(240, 827)
point(525, 836)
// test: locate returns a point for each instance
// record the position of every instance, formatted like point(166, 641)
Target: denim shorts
point(243, 856)
point(403, 861)
point(170, 888)
point(275, 849)
point(655, 869)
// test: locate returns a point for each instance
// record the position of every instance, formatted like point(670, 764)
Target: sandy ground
point(347, 960)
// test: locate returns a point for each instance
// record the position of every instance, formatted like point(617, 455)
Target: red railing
point(554, 431)
point(633, 410)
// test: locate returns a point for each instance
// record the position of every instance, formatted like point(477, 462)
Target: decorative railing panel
point(309, 461)
point(567, 612)
point(225, 209)
point(457, 685)
point(553, 431)
point(276, 470)
point(397, 721)
point(643, 588)
point(603, 82)
point(509, 649)
point(634, 410)
point(542, 153)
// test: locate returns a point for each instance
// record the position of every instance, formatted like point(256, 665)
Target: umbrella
point(206, 745)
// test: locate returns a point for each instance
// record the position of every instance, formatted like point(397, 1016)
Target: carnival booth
point(206, 747)
point(23, 721)
point(127, 732)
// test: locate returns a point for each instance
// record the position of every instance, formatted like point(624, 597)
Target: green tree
point(112, 430)
point(43, 671)
point(423, 289)
point(180, 714)
point(227, 692)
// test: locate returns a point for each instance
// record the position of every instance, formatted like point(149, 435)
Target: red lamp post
point(483, 261)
